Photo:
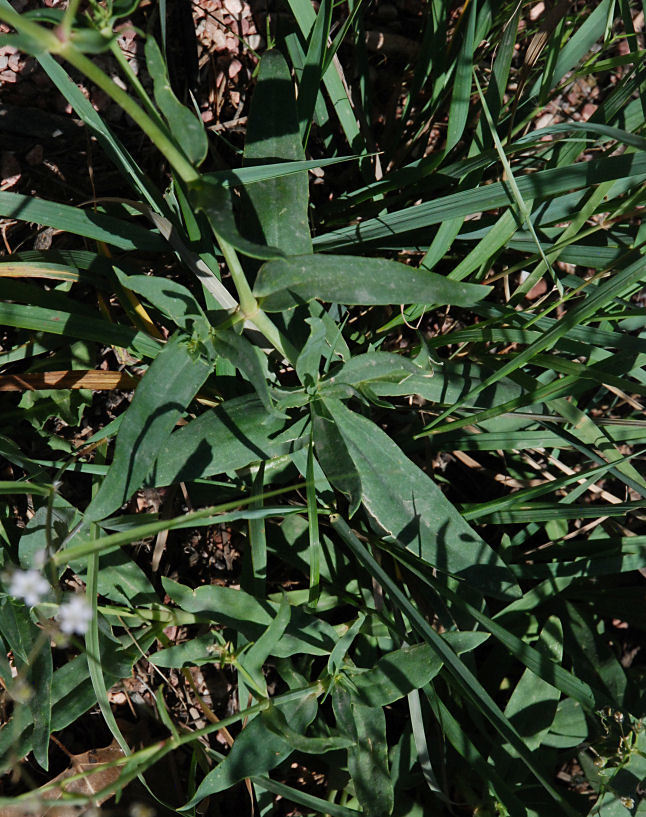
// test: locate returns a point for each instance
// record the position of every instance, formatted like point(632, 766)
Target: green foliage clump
point(434, 480)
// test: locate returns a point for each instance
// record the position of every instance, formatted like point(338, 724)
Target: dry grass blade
point(82, 379)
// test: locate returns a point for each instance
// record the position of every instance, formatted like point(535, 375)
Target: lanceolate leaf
point(215, 202)
point(409, 508)
point(33, 657)
point(231, 436)
point(368, 756)
point(250, 616)
point(167, 388)
point(248, 359)
point(275, 210)
point(334, 456)
point(185, 125)
point(409, 668)
point(532, 706)
point(256, 750)
point(348, 279)
point(171, 298)
point(374, 368)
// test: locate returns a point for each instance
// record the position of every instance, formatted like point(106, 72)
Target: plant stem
point(133, 79)
point(68, 20)
point(179, 162)
point(45, 38)
point(249, 305)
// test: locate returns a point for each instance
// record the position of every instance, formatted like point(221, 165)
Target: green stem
point(249, 305)
point(68, 20)
point(42, 36)
point(133, 79)
point(179, 162)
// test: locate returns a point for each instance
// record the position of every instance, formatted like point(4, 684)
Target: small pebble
point(234, 7)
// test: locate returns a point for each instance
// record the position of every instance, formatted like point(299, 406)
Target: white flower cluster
point(74, 616)
point(29, 585)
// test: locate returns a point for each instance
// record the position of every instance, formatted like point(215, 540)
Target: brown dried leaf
point(98, 778)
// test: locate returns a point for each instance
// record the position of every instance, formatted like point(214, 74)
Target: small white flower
point(29, 585)
point(39, 559)
point(74, 616)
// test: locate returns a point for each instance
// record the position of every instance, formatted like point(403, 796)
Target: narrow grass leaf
point(544, 184)
point(461, 97)
point(461, 675)
point(313, 68)
point(113, 231)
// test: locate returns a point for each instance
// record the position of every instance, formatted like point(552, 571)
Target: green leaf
point(309, 358)
point(168, 386)
point(365, 726)
point(254, 658)
point(312, 803)
point(545, 184)
point(120, 579)
point(68, 324)
point(342, 646)
point(409, 668)
point(233, 435)
point(181, 120)
point(371, 368)
point(172, 299)
point(249, 360)
point(256, 750)
point(254, 173)
point(315, 59)
point(275, 210)
point(36, 538)
point(251, 617)
point(466, 681)
point(195, 652)
point(72, 695)
point(124, 235)
point(348, 279)
point(277, 723)
point(214, 200)
point(569, 727)
point(90, 41)
point(22, 42)
point(33, 658)
point(407, 507)
point(532, 705)
point(305, 16)
point(334, 456)
point(461, 97)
